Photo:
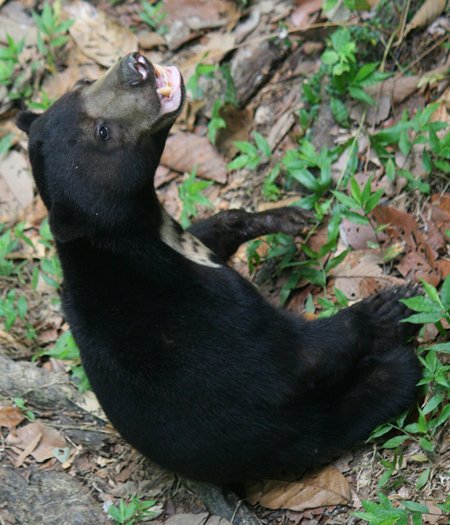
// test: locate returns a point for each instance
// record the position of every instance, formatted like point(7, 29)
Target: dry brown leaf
point(324, 488)
point(301, 16)
point(45, 439)
point(360, 274)
point(186, 151)
point(59, 83)
point(239, 124)
point(419, 260)
point(427, 14)
point(10, 417)
point(16, 185)
point(196, 519)
point(99, 37)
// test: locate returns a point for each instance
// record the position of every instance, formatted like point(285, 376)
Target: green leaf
point(330, 57)
point(360, 95)
point(239, 162)
point(390, 170)
point(245, 147)
point(431, 292)
point(422, 479)
point(445, 292)
point(432, 403)
point(340, 111)
point(422, 318)
point(444, 415)
point(335, 261)
point(355, 217)
point(395, 441)
point(415, 507)
point(305, 177)
point(345, 199)
point(426, 445)
point(262, 144)
point(420, 304)
point(441, 347)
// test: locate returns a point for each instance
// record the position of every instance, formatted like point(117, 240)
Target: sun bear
point(190, 363)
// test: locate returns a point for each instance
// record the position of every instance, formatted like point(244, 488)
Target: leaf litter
point(266, 76)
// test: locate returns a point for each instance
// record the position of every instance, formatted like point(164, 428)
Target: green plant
point(66, 349)
point(252, 155)
point(11, 74)
point(12, 307)
point(270, 191)
point(346, 76)
point(21, 405)
point(153, 14)
point(51, 32)
point(5, 143)
point(311, 169)
point(191, 196)
point(50, 267)
point(409, 134)
point(385, 513)
point(43, 102)
point(134, 511)
point(193, 85)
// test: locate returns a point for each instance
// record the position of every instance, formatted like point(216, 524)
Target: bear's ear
point(24, 120)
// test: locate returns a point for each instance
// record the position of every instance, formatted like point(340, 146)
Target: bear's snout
point(136, 69)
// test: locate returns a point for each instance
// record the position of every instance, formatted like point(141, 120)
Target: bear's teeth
point(165, 91)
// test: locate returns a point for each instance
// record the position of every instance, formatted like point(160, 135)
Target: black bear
point(192, 366)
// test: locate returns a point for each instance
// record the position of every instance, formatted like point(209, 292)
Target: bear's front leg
point(224, 232)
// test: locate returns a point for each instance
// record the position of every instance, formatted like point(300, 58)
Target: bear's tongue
point(168, 87)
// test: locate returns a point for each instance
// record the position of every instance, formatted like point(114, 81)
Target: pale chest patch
point(185, 243)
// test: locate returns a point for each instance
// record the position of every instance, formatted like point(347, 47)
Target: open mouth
point(168, 82)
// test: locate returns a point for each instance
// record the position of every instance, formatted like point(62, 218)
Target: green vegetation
point(51, 32)
point(133, 512)
point(153, 15)
point(190, 192)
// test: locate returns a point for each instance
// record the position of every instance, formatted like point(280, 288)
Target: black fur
point(190, 363)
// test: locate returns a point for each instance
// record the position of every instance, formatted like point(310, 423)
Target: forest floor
point(338, 106)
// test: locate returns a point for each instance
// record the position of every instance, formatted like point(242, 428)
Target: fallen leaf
point(196, 519)
point(238, 126)
point(186, 151)
point(301, 16)
point(38, 440)
point(419, 259)
point(360, 274)
point(59, 83)
point(10, 417)
point(98, 36)
point(324, 488)
point(150, 39)
point(16, 185)
point(15, 20)
point(427, 14)
point(397, 89)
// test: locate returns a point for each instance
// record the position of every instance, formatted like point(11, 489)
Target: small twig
point(404, 16)
point(425, 53)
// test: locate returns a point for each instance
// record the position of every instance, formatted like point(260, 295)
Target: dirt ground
point(61, 462)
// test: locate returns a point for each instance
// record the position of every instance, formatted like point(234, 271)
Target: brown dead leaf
point(10, 417)
point(38, 440)
point(16, 185)
point(99, 37)
point(59, 83)
point(238, 126)
point(186, 151)
point(196, 519)
point(360, 274)
point(397, 89)
point(419, 261)
point(301, 16)
point(427, 14)
point(324, 488)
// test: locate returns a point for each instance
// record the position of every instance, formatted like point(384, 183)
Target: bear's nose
point(136, 69)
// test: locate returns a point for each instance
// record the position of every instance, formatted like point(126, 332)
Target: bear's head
point(95, 151)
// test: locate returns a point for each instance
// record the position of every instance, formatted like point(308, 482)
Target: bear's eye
point(103, 132)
